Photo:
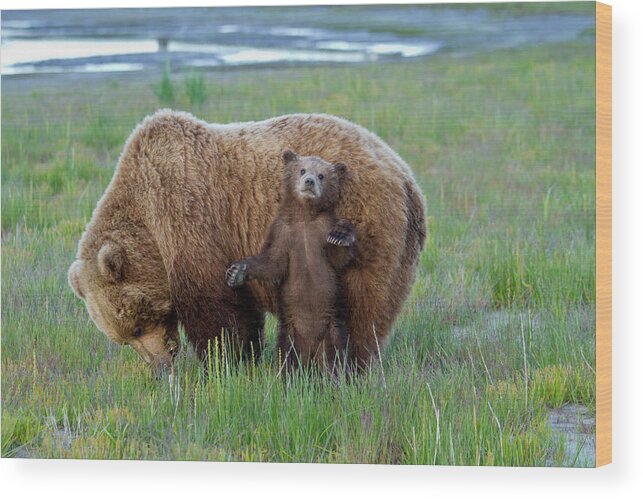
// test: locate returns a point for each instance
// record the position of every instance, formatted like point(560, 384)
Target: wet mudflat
point(130, 40)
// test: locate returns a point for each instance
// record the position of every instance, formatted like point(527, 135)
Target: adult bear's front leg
point(248, 323)
point(233, 322)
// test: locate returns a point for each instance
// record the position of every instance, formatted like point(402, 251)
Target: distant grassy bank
point(498, 330)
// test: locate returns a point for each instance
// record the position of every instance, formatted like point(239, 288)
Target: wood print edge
point(603, 234)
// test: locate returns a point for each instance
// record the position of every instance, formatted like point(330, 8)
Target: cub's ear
point(340, 168)
point(289, 156)
point(111, 261)
point(74, 279)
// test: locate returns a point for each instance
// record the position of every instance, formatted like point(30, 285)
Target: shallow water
point(26, 56)
point(51, 55)
point(77, 40)
point(573, 424)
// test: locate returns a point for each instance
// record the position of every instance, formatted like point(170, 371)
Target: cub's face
point(313, 180)
point(128, 301)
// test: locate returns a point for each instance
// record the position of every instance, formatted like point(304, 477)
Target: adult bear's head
point(124, 286)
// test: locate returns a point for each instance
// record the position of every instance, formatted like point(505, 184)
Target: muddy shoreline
point(135, 40)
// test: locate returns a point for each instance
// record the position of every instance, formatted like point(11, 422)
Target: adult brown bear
point(189, 198)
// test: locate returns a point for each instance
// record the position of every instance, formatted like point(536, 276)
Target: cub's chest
point(307, 241)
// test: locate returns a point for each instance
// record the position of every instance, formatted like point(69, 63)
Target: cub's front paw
point(236, 274)
point(342, 234)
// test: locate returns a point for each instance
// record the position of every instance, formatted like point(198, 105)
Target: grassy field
point(497, 333)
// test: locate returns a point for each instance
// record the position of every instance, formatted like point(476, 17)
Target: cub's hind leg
point(329, 350)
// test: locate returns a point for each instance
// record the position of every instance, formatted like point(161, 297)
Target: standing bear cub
point(305, 255)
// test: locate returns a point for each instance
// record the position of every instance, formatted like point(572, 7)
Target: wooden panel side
point(603, 234)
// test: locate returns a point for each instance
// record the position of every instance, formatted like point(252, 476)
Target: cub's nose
point(309, 182)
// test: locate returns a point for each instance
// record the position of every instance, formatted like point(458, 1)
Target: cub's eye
point(302, 171)
point(320, 177)
point(138, 332)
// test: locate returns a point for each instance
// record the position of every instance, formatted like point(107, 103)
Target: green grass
point(165, 89)
point(499, 327)
point(195, 89)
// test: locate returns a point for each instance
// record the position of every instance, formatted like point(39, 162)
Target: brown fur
point(305, 256)
point(188, 198)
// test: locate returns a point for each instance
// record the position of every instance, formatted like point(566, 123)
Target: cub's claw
point(342, 234)
point(236, 274)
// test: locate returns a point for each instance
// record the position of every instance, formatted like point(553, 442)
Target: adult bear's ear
point(340, 168)
point(73, 276)
point(289, 156)
point(111, 261)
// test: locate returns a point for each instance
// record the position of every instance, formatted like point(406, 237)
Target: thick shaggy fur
point(189, 198)
point(306, 255)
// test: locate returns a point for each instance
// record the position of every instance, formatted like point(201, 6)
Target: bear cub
point(305, 254)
